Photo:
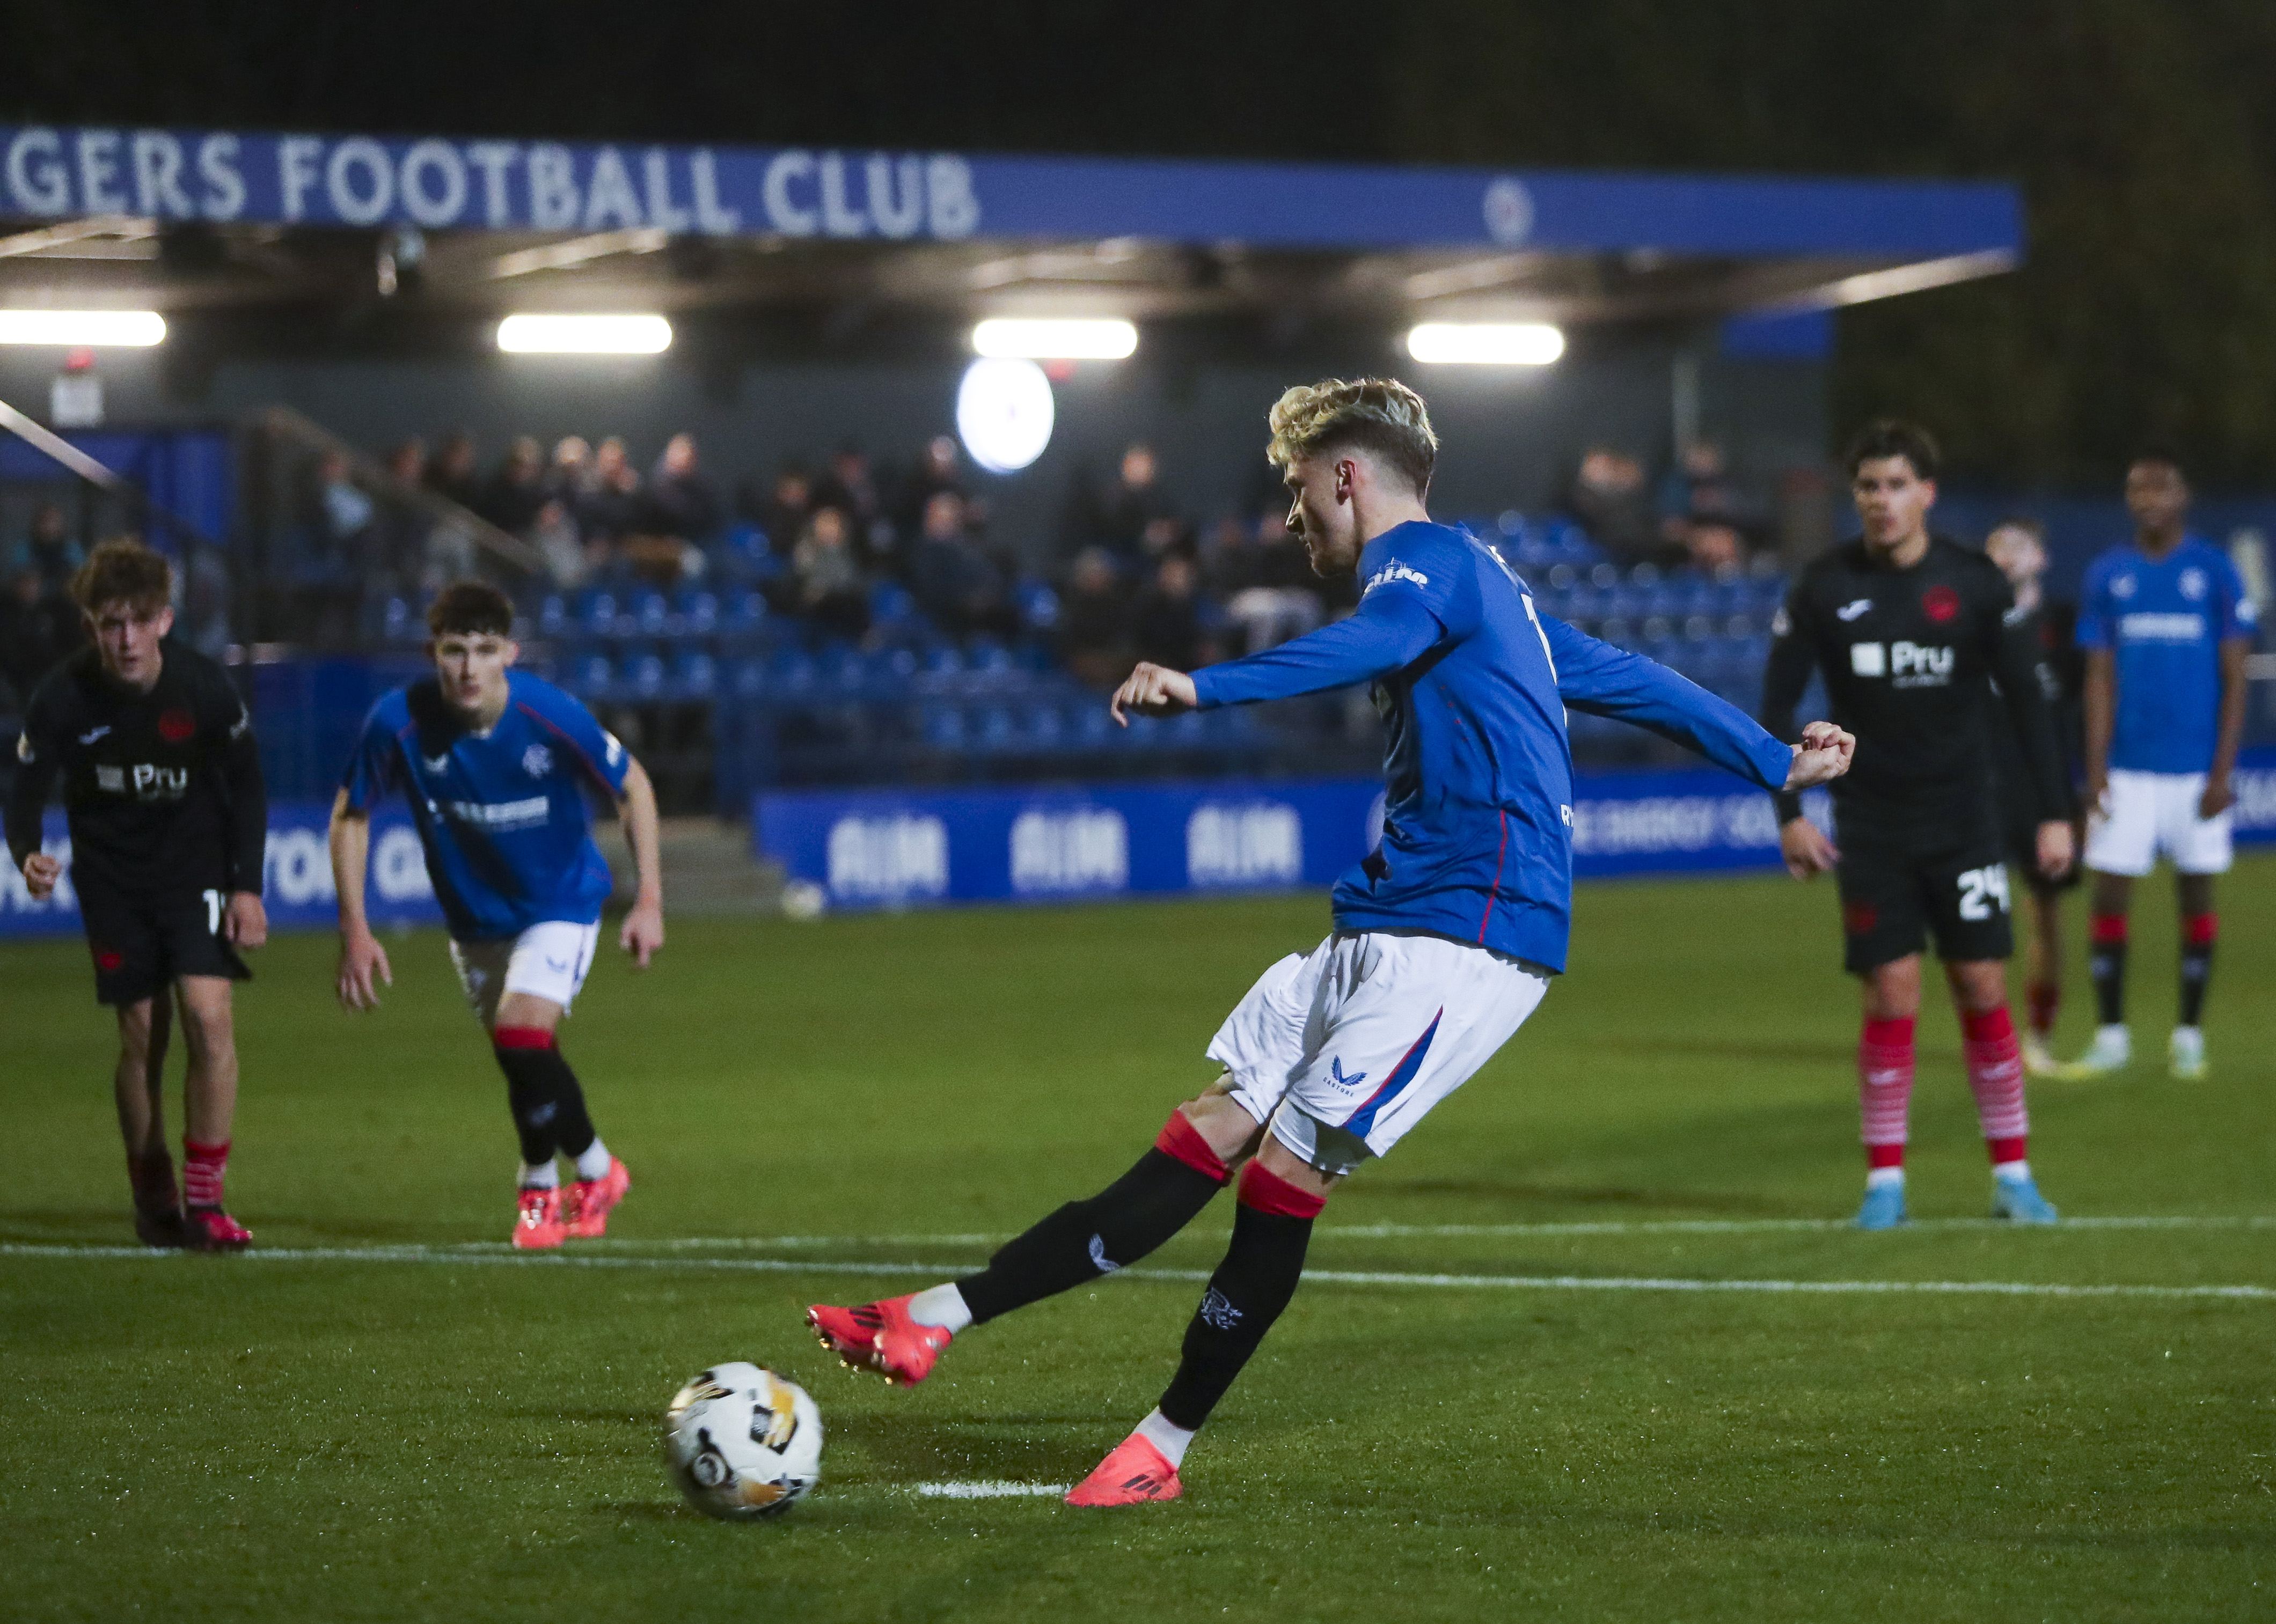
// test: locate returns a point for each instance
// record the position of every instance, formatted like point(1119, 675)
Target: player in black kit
point(1908, 629)
point(168, 818)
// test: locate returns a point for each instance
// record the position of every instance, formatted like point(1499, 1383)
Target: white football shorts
point(548, 961)
point(1344, 1050)
point(2147, 813)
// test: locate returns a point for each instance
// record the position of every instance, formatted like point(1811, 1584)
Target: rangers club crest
point(537, 761)
point(1940, 604)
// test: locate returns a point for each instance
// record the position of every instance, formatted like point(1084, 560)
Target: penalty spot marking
point(988, 1490)
point(496, 1255)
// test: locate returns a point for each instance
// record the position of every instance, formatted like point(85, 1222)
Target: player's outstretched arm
point(643, 930)
point(1392, 627)
point(363, 962)
point(1152, 691)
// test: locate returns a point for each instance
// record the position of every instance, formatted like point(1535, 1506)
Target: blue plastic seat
point(589, 674)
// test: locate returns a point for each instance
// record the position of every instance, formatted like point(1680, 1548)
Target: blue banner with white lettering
point(443, 182)
point(885, 849)
point(877, 849)
point(296, 875)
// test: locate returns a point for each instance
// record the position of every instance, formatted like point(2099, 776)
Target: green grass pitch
point(405, 1423)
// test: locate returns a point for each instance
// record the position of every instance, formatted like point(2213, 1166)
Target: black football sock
point(2106, 965)
point(2198, 932)
point(1159, 1195)
point(547, 1105)
point(1270, 1231)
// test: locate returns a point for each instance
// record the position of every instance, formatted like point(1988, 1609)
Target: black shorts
point(143, 944)
point(1896, 895)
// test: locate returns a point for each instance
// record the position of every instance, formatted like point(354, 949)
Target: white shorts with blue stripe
point(1344, 1050)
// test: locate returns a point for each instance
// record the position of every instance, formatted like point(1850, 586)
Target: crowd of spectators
point(846, 547)
point(1699, 516)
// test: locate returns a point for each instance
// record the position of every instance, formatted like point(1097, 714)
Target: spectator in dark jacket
point(952, 580)
point(1167, 620)
point(454, 473)
point(516, 490)
point(39, 625)
point(1094, 628)
point(681, 501)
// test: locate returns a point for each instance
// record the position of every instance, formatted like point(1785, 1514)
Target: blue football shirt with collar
point(1473, 683)
point(502, 814)
point(2163, 621)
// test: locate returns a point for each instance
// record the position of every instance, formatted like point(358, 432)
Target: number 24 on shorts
point(1981, 889)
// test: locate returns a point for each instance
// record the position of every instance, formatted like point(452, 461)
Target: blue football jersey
point(1473, 681)
point(502, 814)
point(2164, 621)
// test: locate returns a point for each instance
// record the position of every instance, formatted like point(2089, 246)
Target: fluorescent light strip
point(550, 334)
point(1038, 340)
point(1486, 344)
point(136, 329)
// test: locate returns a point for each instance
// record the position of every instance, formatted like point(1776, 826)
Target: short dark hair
point(470, 608)
point(123, 569)
point(1894, 437)
point(2154, 453)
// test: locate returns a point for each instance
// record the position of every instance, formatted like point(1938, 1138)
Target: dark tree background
point(2142, 131)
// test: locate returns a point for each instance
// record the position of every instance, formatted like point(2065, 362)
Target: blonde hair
point(1381, 416)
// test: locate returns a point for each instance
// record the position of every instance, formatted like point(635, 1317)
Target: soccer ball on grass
point(742, 1443)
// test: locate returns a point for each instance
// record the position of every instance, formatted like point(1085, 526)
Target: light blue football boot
point(2018, 1200)
point(1885, 1207)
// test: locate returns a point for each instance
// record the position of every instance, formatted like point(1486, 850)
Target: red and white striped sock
point(1885, 1093)
point(202, 1168)
point(1995, 1073)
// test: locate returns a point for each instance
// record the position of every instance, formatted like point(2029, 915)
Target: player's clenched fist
point(1823, 755)
point(41, 873)
point(1152, 691)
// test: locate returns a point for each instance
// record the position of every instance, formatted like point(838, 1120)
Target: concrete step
point(708, 869)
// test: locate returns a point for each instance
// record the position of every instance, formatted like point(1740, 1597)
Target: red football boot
point(1134, 1472)
point(537, 1224)
point(880, 1337)
point(209, 1229)
point(585, 1213)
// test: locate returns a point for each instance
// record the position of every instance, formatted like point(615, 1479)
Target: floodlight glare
point(83, 329)
point(550, 335)
point(1486, 344)
point(1054, 340)
point(1004, 413)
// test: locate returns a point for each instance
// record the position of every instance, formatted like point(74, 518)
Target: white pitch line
point(1391, 1232)
point(988, 1490)
point(507, 1258)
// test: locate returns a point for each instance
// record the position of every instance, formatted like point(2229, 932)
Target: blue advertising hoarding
point(443, 182)
point(873, 848)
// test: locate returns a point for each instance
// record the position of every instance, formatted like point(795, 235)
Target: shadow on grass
point(915, 1449)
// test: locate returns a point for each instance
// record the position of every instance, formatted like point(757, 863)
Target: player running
point(2018, 546)
point(2166, 625)
point(1445, 936)
point(491, 760)
point(1906, 628)
point(168, 820)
